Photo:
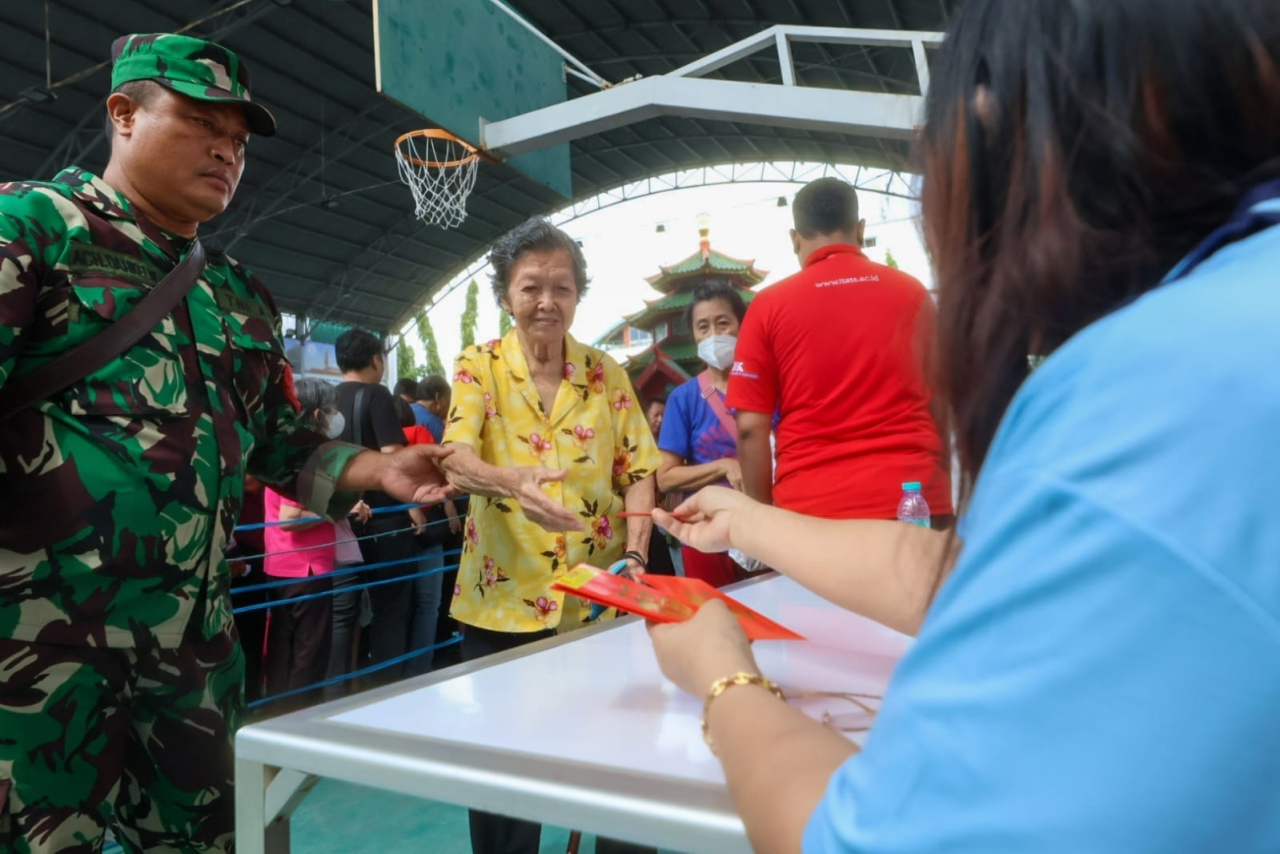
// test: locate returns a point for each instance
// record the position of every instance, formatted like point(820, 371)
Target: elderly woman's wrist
point(506, 483)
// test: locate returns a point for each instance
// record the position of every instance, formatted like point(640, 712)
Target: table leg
point(251, 802)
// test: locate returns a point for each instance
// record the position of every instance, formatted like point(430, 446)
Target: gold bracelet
point(722, 685)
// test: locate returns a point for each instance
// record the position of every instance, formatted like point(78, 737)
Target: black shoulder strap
point(357, 415)
point(99, 351)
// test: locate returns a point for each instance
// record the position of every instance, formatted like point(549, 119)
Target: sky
point(622, 246)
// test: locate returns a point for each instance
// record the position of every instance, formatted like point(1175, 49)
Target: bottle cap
point(911, 486)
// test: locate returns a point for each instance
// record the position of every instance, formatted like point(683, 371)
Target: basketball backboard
point(459, 63)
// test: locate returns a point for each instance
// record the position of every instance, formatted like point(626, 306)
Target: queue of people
point(307, 549)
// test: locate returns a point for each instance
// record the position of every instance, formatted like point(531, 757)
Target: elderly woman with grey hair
point(549, 439)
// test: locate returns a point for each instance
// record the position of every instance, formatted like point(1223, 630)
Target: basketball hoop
point(440, 170)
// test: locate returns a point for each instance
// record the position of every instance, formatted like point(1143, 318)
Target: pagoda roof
point(674, 353)
point(674, 302)
point(653, 360)
point(670, 302)
point(706, 261)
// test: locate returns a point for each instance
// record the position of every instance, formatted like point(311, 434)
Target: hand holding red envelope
point(664, 599)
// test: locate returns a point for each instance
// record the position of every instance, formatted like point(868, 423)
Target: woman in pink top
point(299, 633)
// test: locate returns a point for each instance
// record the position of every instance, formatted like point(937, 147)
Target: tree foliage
point(428, 337)
point(889, 260)
point(504, 324)
point(406, 361)
point(470, 313)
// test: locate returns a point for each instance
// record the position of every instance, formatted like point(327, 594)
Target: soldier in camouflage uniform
point(120, 673)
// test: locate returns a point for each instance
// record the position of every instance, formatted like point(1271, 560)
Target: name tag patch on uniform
point(233, 302)
point(84, 259)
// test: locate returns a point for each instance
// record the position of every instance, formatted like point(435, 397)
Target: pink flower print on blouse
point(601, 532)
point(491, 577)
point(537, 443)
point(621, 462)
point(595, 378)
point(543, 607)
point(582, 436)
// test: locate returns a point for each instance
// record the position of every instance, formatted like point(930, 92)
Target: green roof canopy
point(707, 261)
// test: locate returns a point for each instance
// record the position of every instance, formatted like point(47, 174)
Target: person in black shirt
point(375, 425)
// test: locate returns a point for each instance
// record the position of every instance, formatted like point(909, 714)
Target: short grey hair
point(314, 395)
point(533, 235)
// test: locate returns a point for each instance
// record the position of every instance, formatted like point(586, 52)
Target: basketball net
point(440, 170)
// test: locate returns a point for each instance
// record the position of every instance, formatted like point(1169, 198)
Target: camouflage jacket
point(118, 495)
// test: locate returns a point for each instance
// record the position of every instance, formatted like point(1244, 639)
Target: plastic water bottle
point(912, 508)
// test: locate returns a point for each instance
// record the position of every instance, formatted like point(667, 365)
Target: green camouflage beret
point(194, 67)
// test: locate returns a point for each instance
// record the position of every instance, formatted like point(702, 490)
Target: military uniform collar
point(96, 194)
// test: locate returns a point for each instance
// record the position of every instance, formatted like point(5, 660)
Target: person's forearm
point(777, 762)
point(365, 471)
point(691, 478)
point(884, 570)
point(296, 527)
point(468, 473)
point(289, 513)
point(639, 498)
point(756, 459)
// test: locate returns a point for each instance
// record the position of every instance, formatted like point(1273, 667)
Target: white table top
point(581, 730)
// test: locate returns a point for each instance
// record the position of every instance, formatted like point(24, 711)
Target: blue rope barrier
point(338, 542)
point(395, 508)
point(355, 674)
point(260, 606)
point(337, 573)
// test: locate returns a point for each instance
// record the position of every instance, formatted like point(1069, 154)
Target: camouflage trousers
point(138, 740)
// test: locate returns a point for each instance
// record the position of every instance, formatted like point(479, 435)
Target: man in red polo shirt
point(838, 350)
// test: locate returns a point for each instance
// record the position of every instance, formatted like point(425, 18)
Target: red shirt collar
point(827, 251)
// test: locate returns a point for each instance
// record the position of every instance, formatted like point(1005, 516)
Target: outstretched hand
point(414, 475)
point(525, 486)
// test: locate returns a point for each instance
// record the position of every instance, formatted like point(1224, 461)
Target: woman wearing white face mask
point(699, 439)
point(298, 638)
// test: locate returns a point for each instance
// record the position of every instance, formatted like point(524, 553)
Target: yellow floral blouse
point(595, 431)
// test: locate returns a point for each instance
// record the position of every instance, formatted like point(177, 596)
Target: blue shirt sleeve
point(676, 436)
point(436, 426)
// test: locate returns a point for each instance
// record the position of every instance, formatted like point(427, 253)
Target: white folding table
point(580, 731)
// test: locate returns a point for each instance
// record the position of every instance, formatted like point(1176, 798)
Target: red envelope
point(664, 599)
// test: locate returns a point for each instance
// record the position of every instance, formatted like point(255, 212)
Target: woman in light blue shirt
point(1098, 662)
